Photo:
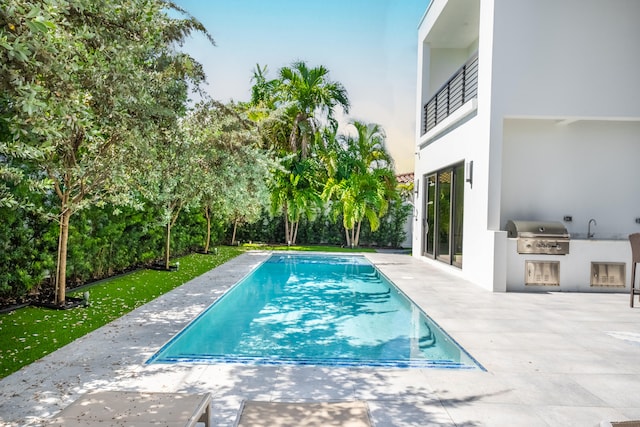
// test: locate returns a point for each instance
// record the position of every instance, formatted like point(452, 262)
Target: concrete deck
point(552, 359)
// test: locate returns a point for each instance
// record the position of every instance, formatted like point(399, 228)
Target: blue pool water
point(319, 310)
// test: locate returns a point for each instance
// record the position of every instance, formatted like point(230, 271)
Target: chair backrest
point(634, 239)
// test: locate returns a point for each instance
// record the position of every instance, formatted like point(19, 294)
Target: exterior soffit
point(457, 26)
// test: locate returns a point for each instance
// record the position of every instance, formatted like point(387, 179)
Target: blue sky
point(370, 46)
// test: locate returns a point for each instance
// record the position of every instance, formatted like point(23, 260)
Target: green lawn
point(30, 333)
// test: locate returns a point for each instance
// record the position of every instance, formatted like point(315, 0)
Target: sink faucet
point(589, 233)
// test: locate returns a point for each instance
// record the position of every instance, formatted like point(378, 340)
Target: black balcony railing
point(460, 88)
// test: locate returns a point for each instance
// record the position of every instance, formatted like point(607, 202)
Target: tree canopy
point(87, 87)
point(353, 174)
point(99, 139)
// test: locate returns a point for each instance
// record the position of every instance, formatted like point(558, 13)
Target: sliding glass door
point(443, 215)
point(429, 219)
point(457, 216)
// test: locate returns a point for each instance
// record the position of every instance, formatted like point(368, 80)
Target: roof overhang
point(456, 26)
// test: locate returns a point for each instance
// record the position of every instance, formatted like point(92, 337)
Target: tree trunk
point(289, 232)
point(171, 223)
point(63, 241)
point(287, 240)
point(235, 227)
point(346, 234)
point(295, 232)
point(304, 146)
point(207, 215)
point(357, 241)
point(167, 248)
point(295, 133)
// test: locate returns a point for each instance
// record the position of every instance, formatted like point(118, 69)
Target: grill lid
point(548, 229)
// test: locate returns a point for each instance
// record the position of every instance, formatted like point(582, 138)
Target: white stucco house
point(528, 110)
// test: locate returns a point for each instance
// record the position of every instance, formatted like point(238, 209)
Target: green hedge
point(26, 244)
point(324, 231)
point(103, 243)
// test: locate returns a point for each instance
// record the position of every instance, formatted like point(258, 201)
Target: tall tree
point(312, 96)
point(369, 147)
point(263, 90)
point(86, 85)
point(361, 181)
point(299, 102)
point(232, 168)
point(273, 117)
point(295, 193)
point(171, 181)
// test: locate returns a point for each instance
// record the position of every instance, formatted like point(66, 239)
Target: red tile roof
point(405, 178)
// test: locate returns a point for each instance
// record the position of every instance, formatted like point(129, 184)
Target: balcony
point(459, 89)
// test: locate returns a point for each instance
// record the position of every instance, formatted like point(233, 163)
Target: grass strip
point(31, 333)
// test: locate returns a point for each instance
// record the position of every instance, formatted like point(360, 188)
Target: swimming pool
point(328, 310)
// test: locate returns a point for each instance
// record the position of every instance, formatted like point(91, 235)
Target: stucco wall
point(462, 144)
point(566, 58)
point(444, 63)
point(468, 141)
point(587, 169)
point(542, 62)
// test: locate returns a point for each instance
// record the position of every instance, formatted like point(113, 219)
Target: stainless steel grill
point(539, 237)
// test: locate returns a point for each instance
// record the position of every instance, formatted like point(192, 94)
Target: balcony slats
point(471, 86)
point(456, 92)
point(460, 88)
point(430, 112)
point(442, 106)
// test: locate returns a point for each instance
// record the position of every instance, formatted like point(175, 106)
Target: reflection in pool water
point(320, 310)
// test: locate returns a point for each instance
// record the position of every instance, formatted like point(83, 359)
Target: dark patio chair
point(634, 239)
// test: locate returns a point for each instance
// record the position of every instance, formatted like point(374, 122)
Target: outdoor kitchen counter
point(575, 267)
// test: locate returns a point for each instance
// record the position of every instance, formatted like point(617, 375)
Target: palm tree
point(263, 90)
point(361, 181)
point(295, 193)
point(311, 95)
point(370, 145)
point(297, 103)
